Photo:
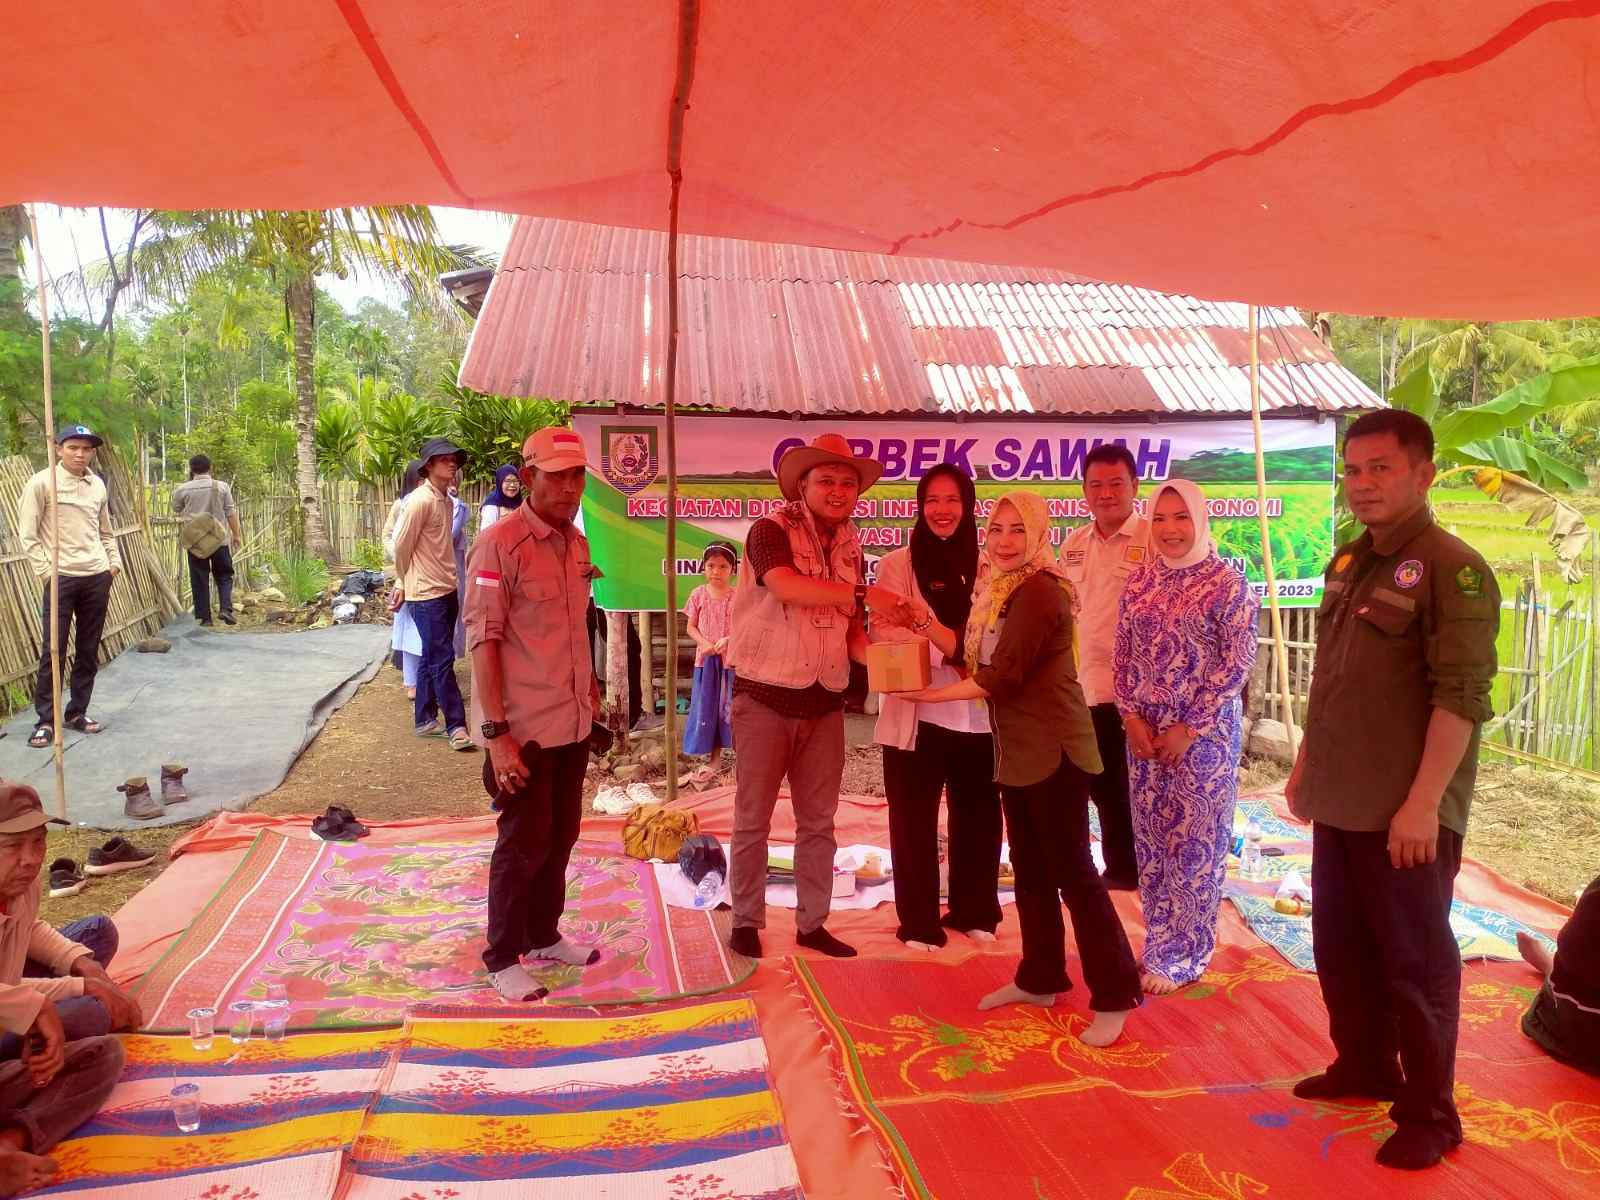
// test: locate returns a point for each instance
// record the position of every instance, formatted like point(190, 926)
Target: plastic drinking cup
point(277, 993)
point(202, 1027)
point(243, 1020)
point(275, 1019)
point(186, 1106)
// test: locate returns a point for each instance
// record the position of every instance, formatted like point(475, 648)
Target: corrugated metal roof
point(578, 312)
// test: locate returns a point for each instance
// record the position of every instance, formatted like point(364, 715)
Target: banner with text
point(726, 481)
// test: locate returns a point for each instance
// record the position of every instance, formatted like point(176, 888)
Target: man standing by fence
point(89, 562)
point(1405, 661)
point(210, 533)
point(425, 559)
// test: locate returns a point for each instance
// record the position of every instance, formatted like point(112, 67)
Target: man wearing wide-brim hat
point(798, 617)
point(58, 1058)
point(89, 561)
point(425, 560)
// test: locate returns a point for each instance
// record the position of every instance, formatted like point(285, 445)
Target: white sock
point(980, 935)
point(568, 952)
point(1104, 1029)
point(514, 983)
point(913, 944)
point(1012, 994)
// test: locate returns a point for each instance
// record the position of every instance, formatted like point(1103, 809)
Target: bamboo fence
point(142, 599)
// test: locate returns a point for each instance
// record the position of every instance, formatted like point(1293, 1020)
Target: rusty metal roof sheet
point(578, 312)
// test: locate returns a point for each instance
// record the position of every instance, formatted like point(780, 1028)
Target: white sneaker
point(514, 983)
point(642, 793)
point(614, 801)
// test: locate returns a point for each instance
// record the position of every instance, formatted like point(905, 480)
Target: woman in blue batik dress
point(1186, 637)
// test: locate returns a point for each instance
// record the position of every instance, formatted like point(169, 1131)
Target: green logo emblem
point(1470, 581)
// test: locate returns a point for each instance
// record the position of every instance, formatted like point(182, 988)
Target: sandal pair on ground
point(110, 858)
point(44, 735)
point(459, 740)
point(338, 824)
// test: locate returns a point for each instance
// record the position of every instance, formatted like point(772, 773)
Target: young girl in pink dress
point(710, 611)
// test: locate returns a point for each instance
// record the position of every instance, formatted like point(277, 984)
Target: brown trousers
point(810, 753)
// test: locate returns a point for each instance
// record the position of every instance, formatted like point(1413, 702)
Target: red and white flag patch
point(489, 579)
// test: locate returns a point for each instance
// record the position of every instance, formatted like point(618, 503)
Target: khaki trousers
point(810, 753)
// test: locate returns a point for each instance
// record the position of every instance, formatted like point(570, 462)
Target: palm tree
point(395, 242)
point(1508, 352)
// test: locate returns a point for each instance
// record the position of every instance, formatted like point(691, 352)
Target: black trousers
point(85, 599)
point(1048, 823)
point(1109, 791)
point(1390, 969)
point(528, 871)
point(959, 766)
point(201, 570)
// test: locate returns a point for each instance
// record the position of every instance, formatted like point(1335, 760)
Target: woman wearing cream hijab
point(1186, 637)
point(1019, 641)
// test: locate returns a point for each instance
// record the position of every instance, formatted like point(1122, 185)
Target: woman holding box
point(934, 748)
point(1019, 636)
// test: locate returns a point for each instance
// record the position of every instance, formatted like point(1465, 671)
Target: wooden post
point(647, 664)
point(617, 675)
point(52, 630)
point(1278, 642)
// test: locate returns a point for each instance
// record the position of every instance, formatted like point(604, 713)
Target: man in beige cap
point(50, 1080)
point(534, 697)
point(798, 616)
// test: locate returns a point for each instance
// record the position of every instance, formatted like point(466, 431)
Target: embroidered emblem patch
point(1134, 554)
point(1074, 557)
point(1341, 563)
point(1469, 580)
point(1408, 574)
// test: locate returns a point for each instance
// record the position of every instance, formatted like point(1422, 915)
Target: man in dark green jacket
point(1405, 659)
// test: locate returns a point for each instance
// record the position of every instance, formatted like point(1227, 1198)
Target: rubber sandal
point(43, 736)
point(459, 740)
point(86, 725)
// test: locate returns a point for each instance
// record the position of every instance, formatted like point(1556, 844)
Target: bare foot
point(1012, 994)
point(20, 1172)
point(1104, 1029)
point(1157, 985)
point(1535, 953)
point(979, 935)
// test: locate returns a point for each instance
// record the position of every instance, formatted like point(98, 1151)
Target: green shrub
point(368, 555)
point(299, 577)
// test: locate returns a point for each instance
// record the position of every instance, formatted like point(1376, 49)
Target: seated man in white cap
point(56, 1084)
point(797, 622)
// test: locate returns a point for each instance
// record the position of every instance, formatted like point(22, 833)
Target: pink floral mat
point(358, 934)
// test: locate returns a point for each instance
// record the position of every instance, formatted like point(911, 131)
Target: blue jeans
point(81, 1016)
point(436, 675)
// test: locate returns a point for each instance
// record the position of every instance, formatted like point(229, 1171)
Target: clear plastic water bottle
point(1250, 859)
point(709, 890)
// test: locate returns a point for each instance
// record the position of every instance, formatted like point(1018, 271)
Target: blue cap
point(78, 431)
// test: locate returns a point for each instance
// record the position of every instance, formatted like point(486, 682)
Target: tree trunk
point(300, 298)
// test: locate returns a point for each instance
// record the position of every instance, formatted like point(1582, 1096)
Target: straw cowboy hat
point(825, 449)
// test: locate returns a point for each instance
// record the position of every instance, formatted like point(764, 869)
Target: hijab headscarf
point(412, 477)
point(994, 586)
point(498, 497)
point(1195, 501)
point(947, 568)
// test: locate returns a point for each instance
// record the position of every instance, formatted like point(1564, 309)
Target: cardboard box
point(898, 666)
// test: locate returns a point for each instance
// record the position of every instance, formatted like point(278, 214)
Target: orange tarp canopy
point(1429, 158)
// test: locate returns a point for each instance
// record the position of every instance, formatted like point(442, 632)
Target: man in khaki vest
point(797, 623)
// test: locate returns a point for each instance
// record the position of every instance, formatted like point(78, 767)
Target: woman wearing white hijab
point(1186, 637)
point(1019, 646)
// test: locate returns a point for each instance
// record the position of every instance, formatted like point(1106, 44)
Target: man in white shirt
point(1098, 558)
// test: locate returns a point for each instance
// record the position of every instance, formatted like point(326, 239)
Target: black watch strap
point(861, 596)
point(494, 729)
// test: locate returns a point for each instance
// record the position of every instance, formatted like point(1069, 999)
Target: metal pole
point(688, 33)
point(1276, 614)
point(53, 631)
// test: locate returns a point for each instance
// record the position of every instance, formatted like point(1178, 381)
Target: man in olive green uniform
point(1405, 657)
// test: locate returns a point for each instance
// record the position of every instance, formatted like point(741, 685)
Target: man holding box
point(797, 623)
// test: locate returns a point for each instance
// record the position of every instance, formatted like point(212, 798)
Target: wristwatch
point(861, 597)
point(494, 729)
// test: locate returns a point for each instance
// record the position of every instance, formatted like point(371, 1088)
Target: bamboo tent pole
point(1279, 647)
point(688, 36)
point(53, 632)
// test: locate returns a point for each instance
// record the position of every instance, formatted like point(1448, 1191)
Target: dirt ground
point(1537, 829)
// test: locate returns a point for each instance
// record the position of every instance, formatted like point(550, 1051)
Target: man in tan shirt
point(203, 494)
point(534, 696)
point(425, 560)
point(57, 1060)
point(89, 562)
